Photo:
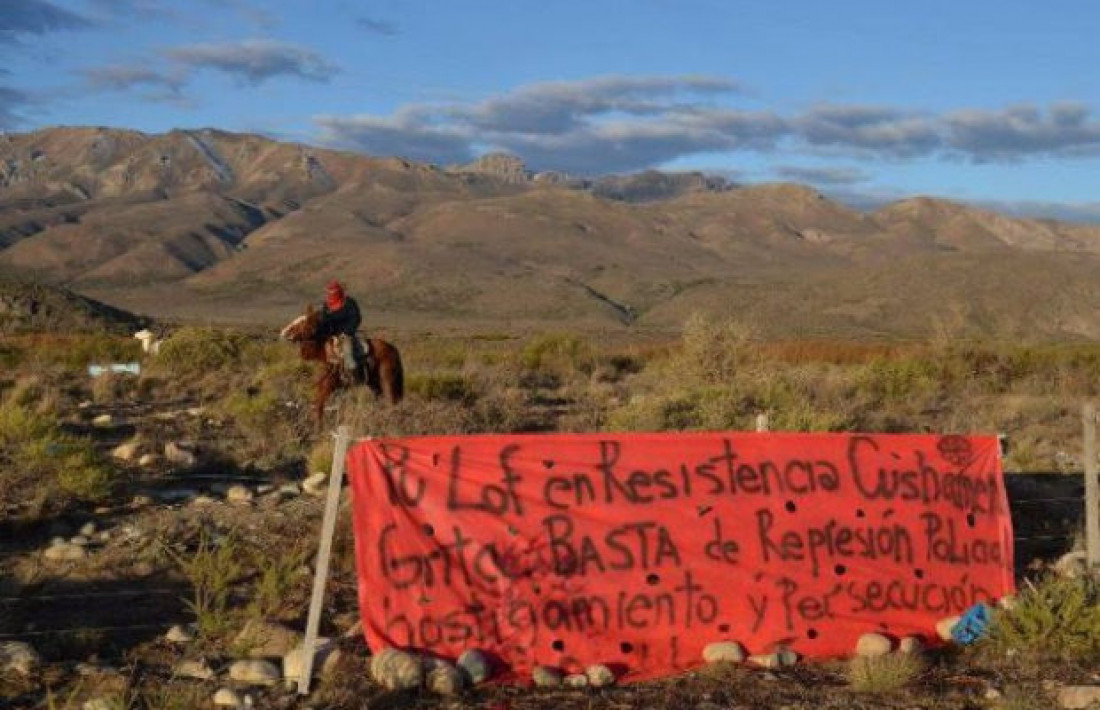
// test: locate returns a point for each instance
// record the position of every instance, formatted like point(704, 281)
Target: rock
point(316, 485)
point(1008, 603)
point(180, 454)
point(148, 460)
point(254, 671)
point(325, 657)
point(1072, 564)
point(1078, 696)
point(88, 529)
point(141, 501)
point(873, 645)
point(19, 657)
point(103, 420)
point(199, 670)
point(227, 698)
point(239, 494)
point(445, 680)
point(99, 704)
point(264, 488)
point(80, 540)
point(397, 670)
point(65, 552)
point(546, 677)
point(780, 658)
point(178, 634)
point(576, 680)
point(728, 651)
point(103, 536)
point(472, 662)
point(599, 675)
point(263, 639)
point(910, 645)
point(289, 490)
point(944, 626)
point(992, 693)
point(86, 669)
point(203, 500)
point(126, 451)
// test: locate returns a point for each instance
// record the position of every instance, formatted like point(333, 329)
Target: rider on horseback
point(340, 316)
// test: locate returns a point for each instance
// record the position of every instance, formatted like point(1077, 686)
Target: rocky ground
point(189, 588)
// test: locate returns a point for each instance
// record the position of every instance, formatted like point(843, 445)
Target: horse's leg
point(325, 387)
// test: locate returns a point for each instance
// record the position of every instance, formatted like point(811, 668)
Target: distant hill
point(27, 306)
point(213, 225)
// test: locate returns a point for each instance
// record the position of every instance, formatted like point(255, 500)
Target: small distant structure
point(150, 344)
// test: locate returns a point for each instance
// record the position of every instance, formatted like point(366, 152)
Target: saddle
point(351, 363)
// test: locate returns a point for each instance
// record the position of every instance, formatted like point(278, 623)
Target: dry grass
point(885, 674)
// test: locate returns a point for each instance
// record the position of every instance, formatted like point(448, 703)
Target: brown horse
point(385, 375)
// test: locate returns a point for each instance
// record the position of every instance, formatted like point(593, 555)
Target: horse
point(384, 373)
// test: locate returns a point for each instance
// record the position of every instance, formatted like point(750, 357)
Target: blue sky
point(989, 102)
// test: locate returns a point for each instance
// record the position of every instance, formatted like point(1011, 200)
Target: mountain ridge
point(184, 223)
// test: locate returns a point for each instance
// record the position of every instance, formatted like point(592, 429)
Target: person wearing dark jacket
point(340, 316)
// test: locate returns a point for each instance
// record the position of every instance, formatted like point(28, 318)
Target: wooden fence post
point(1092, 488)
point(762, 421)
point(320, 577)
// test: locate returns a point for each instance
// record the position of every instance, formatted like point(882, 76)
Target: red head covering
point(334, 295)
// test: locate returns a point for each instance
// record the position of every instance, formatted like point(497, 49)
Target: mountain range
point(216, 226)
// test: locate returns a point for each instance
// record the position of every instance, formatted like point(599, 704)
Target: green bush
point(198, 350)
point(884, 674)
point(563, 353)
point(1057, 618)
point(45, 466)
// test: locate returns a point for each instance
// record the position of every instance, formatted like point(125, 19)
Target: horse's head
point(302, 328)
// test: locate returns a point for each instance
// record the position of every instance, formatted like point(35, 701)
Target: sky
point(988, 102)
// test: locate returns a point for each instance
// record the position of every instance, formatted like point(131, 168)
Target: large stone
point(199, 670)
point(910, 645)
point(727, 651)
point(264, 639)
point(546, 677)
point(103, 420)
point(227, 698)
point(1078, 697)
point(325, 657)
point(178, 634)
point(944, 626)
point(88, 529)
point(65, 552)
point(99, 704)
point(316, 485)
point(19, 657)
point(873, 645)
point(780, 658)
point(180, 454)
point(445, 679)
point(576, 680)
point(239, 494)
point(254, 671)
point(148, 460)
point(397, 670)
point(1072, 564)
point(126, 451)
point(599, 675)
point(474, 663)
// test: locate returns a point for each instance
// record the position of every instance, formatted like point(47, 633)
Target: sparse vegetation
point(1058, 617)
point(885, 674)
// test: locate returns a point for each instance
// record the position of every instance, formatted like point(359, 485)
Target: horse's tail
point(398, 377)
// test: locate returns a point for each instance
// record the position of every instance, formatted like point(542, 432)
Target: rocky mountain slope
point(206, 224)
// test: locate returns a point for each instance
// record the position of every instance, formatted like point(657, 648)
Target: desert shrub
point(888, 382)
point(1057, 618)
point(45, 467)
point(884, 674)
point(79, 351)
point(212, 569)
point(558, 352)
point(195, 350)
point(446, 386)
point(320, 456)
point(715, 352)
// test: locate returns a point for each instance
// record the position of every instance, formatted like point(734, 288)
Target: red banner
point(637, 550)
